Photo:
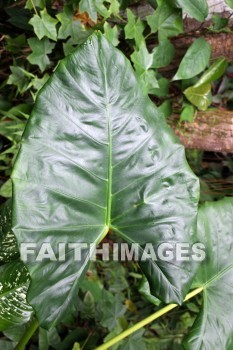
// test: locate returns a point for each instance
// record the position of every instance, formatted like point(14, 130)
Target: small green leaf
point(20, 78)
point(214, 72)
point(6, 189)
point(167, 20)
point(199, 96)
point(229, 3)
point(163, 88)
point(134, 28)
point(112, 308)
point(89, 6)
point(219, 22)
point(69, 26)
point(149, 81)
point(44, 25)
point(111, 33)
point(40, 51)
point(142, 59)
point(144, 289)
point(38, 83)
point(114, 7)
point(163, 54)
point(76, 346)
point(187, 114)
point(197, 9)
point(166, 108)
point(213, 328)
point(134, 342)
point(195, 60)
point(14, 45)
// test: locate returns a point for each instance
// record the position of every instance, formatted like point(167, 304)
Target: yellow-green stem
point(27, 335)
point(144, 322)
point(34, 7)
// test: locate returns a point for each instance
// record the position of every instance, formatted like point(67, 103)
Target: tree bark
point(210, 131)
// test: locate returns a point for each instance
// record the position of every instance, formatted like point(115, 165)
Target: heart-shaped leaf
point(195, 60)
point(96, 155)
point(213, 328)
point(197, 9)
point(199, 96)
point(214, 72)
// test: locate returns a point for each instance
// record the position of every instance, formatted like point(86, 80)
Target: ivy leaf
point(213, 328)
point(197, 9)
point(38, 83)
point(14, 45)
point(187, 114)
point(44, 25)
point(149, 81)
point(167, 20)
point(111, 33)
point(69, 26)
point(195, 60)
point(134, 28)
point(134, 342)
point(163, 54)
point(6, 189)
point(89, 6)
point(142, 59)
point(112, 309)
point(20, 78)
point(114, 7)
point(40, 51)
point(199, 96)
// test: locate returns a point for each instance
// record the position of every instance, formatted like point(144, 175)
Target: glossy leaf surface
point(213, 328)
point(97, 155)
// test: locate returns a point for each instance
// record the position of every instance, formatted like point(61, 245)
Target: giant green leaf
point(213, 328)
point(14, 278)
point(96, 155)
point(195, 60)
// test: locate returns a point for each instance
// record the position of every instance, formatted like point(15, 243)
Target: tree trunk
point(210, 131)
